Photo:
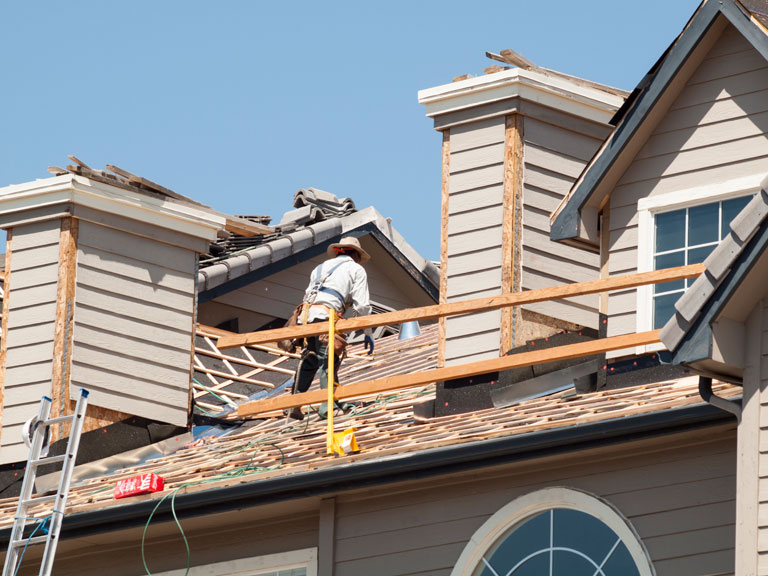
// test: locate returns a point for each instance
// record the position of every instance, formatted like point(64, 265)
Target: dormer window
point(687, 236)
point(678, 228)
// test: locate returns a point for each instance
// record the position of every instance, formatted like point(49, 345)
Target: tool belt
point(301, 312)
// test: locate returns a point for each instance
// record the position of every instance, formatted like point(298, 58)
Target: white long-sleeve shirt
point(348, 279)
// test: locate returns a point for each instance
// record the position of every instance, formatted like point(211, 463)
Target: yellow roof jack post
point(339, 443)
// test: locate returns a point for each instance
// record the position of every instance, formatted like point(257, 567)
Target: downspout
point(705, 390)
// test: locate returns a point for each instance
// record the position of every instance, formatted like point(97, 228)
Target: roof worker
point(337, 283)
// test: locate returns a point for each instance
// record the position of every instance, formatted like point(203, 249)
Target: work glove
point(368, 342)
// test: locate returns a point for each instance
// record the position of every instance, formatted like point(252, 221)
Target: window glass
point(670, 231)
point(730, 209)
point(687, 236)
point(559, 542)
point(703, 224)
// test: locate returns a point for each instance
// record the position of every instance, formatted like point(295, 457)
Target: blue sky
point(240, 104)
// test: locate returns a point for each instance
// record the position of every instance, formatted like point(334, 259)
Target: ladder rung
point(32, 541)
point(57, 420)
point(48, 460)
point(40, 499)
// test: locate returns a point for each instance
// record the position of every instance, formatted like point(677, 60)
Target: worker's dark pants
point(314, 360)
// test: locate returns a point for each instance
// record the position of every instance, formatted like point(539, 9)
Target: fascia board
point(565, 223)
point(80, 190)
point(538, 87)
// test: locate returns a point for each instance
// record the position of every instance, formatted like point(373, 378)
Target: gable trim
point(566, 221)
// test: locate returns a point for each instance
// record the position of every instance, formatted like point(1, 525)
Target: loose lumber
point(403, 381)
point(466, 306)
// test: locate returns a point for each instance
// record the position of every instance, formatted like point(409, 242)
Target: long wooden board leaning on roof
point(467, 306)
point(461, 371)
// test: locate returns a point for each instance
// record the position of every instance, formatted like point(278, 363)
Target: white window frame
point(539, 501)
point(647, 208)
point(305, 558)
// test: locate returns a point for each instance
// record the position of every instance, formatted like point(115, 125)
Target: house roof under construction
point(273, 457)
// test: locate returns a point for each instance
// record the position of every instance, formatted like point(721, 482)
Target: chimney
point(514, 141)
point(99, 294)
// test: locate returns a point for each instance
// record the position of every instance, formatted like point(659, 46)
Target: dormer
point(688, 153)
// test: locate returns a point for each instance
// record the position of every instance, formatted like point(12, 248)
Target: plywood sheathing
point(4, 325)
point(62, 340)
point(444, 216)
point(533, 326)
point(511, 240)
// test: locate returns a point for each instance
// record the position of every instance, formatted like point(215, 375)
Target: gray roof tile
point(690, 303)
point(748, 220)
point(720, 260)
point(674, 331)
point(302, 239)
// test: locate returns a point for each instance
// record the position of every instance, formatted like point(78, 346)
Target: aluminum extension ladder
point(38, 450)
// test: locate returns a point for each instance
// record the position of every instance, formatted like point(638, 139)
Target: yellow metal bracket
point(331, 379)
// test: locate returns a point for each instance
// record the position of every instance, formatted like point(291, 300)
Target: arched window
point(555, 532)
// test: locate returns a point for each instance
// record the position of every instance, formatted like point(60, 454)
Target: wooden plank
point(450, 373)
point(245, 227)
point(467, 306)
point(444, 219)
point(511, 241)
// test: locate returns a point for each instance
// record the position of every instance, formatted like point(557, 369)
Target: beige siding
point(31, 326)
point(554, 158)
point(677, 492)
point(713, 132)
point(134, 312)
point(680, 501)
point(474, 236)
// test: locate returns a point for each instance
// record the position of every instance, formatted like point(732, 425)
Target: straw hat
point(349, 242)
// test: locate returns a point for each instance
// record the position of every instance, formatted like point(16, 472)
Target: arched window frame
point(531, 504)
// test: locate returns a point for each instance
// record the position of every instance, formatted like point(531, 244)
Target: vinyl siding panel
point(476, 194)
point(140, 364)
point(31, 327)
point(715, 131)
point(554, 157)
point(680, 501)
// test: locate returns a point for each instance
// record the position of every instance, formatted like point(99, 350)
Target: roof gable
point(636, 119)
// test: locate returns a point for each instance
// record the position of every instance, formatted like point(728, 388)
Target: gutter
point(426, 464)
